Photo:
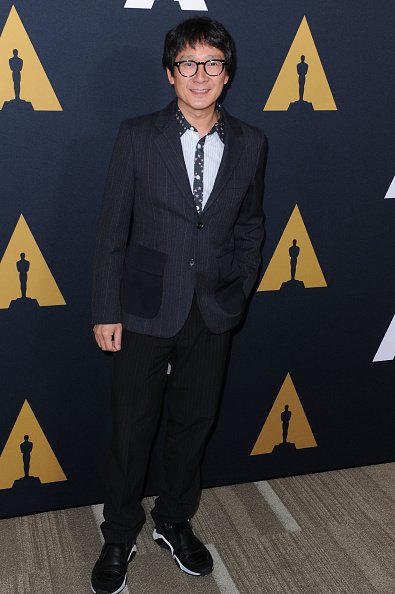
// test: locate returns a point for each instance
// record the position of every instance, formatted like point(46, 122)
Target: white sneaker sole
point(157, 536)
point(133, 550)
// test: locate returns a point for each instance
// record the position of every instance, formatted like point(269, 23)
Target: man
point(294, 252)
point(16, 65)
point(177, 256)
point(302, 69)
point(23, 266)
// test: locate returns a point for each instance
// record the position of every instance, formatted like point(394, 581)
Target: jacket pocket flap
point(144, 258)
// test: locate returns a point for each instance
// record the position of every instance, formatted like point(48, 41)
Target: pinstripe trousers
point(198, 361)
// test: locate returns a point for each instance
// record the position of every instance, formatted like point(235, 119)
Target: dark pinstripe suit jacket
point(153, 249)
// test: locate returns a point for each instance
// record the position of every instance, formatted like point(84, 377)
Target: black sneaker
point(110, 570)
point(188, 552)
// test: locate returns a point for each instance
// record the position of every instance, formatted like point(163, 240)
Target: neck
point(201, 119)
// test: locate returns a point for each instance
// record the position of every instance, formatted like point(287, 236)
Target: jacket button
point(200, 225)
point(191, 262)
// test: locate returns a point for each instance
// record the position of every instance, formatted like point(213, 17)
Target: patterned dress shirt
point(202, 156)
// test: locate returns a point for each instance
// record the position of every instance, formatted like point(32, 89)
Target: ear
point(226, 79)
point(170, 76)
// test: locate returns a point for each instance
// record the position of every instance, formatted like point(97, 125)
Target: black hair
point(198, 30)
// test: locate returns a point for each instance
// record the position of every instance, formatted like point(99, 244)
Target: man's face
point(201, 91)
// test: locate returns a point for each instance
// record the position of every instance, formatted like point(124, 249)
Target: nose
point(201, 74)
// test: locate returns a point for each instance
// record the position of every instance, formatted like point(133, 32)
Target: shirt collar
point(219, 127)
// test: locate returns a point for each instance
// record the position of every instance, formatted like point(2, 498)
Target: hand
point(108, 336)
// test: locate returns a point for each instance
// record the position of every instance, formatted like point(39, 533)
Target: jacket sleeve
point(249, 230)
point(112, 231)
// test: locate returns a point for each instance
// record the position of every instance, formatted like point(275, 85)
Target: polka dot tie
point(198, 174)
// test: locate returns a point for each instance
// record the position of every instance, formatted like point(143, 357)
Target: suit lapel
point(232, 152)
point(169, 146)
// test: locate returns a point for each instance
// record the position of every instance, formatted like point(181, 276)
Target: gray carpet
point(330, 532)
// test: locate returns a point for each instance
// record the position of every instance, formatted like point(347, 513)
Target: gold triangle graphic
point(42, 463)
point(35, 88)
point(30, 268)
point(316, 87)
point(299, 430)
point(290, 257)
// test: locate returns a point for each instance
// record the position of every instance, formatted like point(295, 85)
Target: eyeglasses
point(190, 67)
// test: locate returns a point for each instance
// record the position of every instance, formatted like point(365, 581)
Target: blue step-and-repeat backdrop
point(310, 385)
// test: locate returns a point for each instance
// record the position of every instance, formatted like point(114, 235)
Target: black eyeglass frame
point(223, 62)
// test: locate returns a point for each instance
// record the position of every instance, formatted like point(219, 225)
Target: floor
point(330, 532)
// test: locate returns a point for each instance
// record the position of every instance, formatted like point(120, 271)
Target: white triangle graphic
point(386, 351)
point(391, 190)
point(192, 4)
point(184, 4)
point(139, 4)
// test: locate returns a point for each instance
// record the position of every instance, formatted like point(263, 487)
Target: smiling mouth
point(199, 91)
